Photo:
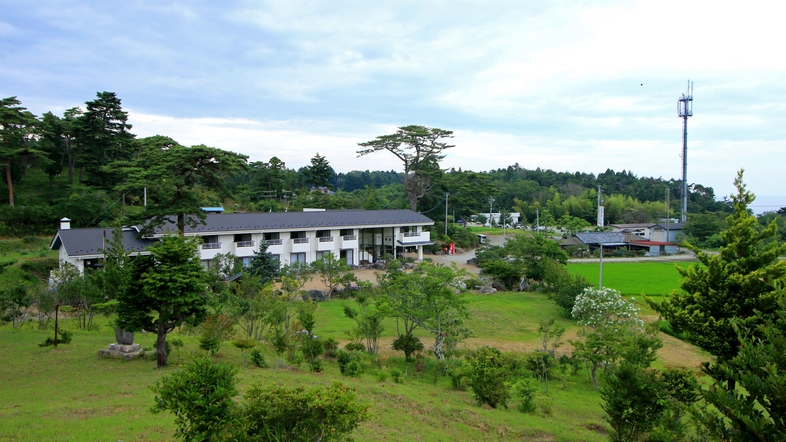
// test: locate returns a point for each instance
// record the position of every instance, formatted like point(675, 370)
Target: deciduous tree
point(430, 296)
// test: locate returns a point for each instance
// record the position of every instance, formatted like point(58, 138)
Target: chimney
point(65, 224)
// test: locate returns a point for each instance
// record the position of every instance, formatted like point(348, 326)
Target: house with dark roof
point(357, 236)
point(619, 240)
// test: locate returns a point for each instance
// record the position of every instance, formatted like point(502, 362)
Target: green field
point(634, 278)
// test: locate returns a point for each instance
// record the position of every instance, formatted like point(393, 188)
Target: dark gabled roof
point(87, 242)
point(672, 226)
point(633, 225)
point(609, 238)
point(233, 222)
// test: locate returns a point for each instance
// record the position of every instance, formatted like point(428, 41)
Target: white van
point(482, 238)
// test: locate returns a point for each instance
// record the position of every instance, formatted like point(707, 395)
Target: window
point(348, 234)
point(297, 257)
point(298, 237)
point(210, 242)
point(272, 239)
point(324, 236)
point(244, 240)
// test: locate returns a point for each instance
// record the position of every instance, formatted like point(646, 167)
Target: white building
point(358, 236)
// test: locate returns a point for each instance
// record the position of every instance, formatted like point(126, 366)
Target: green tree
point(102, 132)
point(333, 272)
point(319, 173)
point(369, 316)
point(732, 284)
point(171, 174)
point(609, 322)
point(429, 296)
point(632, 402)
point(263, 266)
point(757, 409)
point(420, 149)
point(17, 126)
point(534, 252)
point(167, 288)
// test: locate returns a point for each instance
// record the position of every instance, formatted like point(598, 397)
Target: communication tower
point(685, 110)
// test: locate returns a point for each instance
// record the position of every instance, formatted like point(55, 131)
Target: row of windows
point(274, 236)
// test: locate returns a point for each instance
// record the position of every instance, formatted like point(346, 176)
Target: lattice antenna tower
point(685, 110)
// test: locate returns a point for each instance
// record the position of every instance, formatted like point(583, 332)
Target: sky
point(564, 85)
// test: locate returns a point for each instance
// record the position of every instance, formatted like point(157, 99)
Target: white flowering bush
point(602, 308)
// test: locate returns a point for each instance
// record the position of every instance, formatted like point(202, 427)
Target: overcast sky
point(564, 85)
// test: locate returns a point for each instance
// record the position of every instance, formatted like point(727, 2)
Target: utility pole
point(446, 213)
point(600, 278)
point(601, 211)
point(491, 209)
point(685, 110)
point(668, 213)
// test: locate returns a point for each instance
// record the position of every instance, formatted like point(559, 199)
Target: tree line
point(87, 165)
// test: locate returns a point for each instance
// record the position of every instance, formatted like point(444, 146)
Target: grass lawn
point(634, 278)
point(69, 394)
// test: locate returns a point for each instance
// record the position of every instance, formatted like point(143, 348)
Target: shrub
point(355, 346)
point(330, 346)
point(487, 372)
point(525, 390)
point(200, 397)
point(299, 414)
point(408, 344)
point(353, 368)
point(381, 374)
point(257, 358)
point(65, 338)
point(397, 375)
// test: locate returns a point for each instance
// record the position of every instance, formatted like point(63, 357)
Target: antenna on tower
point(685, 110)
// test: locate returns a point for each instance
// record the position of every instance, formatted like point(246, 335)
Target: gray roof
point(87, 242)
point(601, 237)
point(672, 226)
point(231, 222)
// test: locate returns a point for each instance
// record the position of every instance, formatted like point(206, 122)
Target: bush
point(353, 368)
point(299, 414)
point(488, 372)
point(200, 397)
point(330, 346)
point(408, 344)
point(350, 363)
point(397, 375)
point(355, 346)
point(257, 358)
point(525, 390)
point(65, 338)
point(381, 374)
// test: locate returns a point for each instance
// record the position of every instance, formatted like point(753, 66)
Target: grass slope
point(69, 394)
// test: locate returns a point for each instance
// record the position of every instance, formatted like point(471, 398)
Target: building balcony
point(210, 250)
point(325, 244)
point(300, 245)
point(349, 242)
point(244, 249)
point(414, 237)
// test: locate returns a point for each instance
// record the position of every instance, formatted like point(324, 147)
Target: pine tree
point(735, 283)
